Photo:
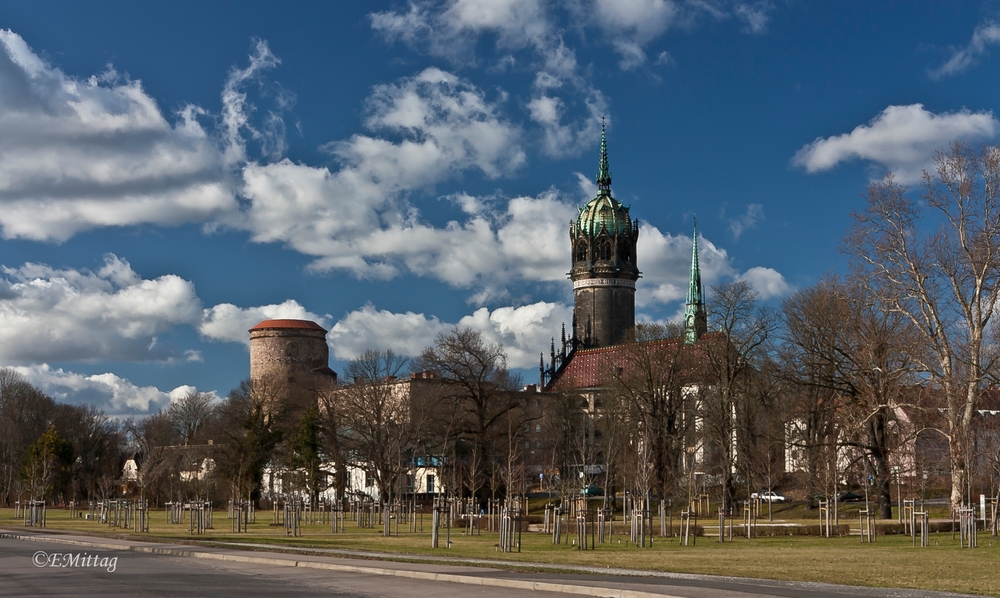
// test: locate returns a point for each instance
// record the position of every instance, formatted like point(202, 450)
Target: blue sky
point(172, 174)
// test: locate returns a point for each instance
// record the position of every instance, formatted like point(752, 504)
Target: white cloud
point(358, 218)
point(227, 322)
point(564, 103)
point(665, 262)
point(368, 328)
point(77, 154)
point(632, 24)
point(236, 112)
point(749, 220)
point(451, 29)
point(962, 59)
point(902, 139)
point(67, 315)
point(523, 331)
point(754, 15)
point(768, 283)
point(114, 395)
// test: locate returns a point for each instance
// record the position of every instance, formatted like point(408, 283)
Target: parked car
point(592, 491)
point(850, 497)
point(767, 496)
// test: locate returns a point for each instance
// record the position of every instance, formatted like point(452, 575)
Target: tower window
point(581, 251)
point(604, 249)
point(625, 253)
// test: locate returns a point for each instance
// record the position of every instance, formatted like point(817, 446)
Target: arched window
point(604, 249)
point(625, 252)
point(581, 251)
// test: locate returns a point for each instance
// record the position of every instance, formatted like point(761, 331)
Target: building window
point(430, 484)
point(538, 428)
point(581, 251)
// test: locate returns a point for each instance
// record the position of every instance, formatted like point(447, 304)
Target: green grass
point(890, 562)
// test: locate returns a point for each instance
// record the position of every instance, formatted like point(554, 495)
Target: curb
point(535, 586)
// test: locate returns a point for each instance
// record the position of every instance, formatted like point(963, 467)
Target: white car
point(767, 496)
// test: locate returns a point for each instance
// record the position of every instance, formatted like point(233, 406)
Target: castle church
point(603, 241)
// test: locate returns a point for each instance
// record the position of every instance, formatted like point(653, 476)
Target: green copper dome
point(604, 212)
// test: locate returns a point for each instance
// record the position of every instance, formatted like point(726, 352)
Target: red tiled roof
point(593, 368)
point(285, 324)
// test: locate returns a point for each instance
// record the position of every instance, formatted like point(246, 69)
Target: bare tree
point(735, 351)
point(946, 282)
point(373, 418)
point(253, 432)
point(189, 414)
point(478, 390)
point(650, 395)
point(149, 438)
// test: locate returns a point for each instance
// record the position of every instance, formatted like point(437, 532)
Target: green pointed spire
point(604, 172)
point(695, 318)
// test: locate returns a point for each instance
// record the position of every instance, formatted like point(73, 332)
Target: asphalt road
point(33, 567)
point(137, 574)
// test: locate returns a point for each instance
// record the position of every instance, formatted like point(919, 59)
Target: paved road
point(154, 569)
point(153, 575)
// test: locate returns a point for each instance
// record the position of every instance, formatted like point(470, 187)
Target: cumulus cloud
point(749, 220)
point(48, 314)
point(985, 35)
point(523, 331)
point(77, 154)
point(564, 104)
point(358, 218)
point(370, 328)
point(665, 261)
point(109, 392)
point(229, 323)
point(768, 282)
point(902, 139)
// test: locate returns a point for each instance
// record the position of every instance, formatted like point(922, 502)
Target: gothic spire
point(695, 318)
point(604, 172)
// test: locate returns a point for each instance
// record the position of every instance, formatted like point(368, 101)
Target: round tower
point(603, 241)
point(289, 361)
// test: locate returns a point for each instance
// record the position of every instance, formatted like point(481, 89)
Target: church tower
point(604, 272)
point(695, 317)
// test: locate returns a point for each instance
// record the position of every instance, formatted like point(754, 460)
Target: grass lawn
point(890, 562)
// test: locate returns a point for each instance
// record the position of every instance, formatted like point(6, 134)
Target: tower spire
point(695, 318)
point(604, 172)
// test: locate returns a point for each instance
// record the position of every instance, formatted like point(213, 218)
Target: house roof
point(288, 324)
point(593, 368)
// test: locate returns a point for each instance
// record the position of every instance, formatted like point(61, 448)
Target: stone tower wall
point(604, 315)
point(290, 363)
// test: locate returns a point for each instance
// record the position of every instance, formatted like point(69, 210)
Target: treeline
point(54, 450)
